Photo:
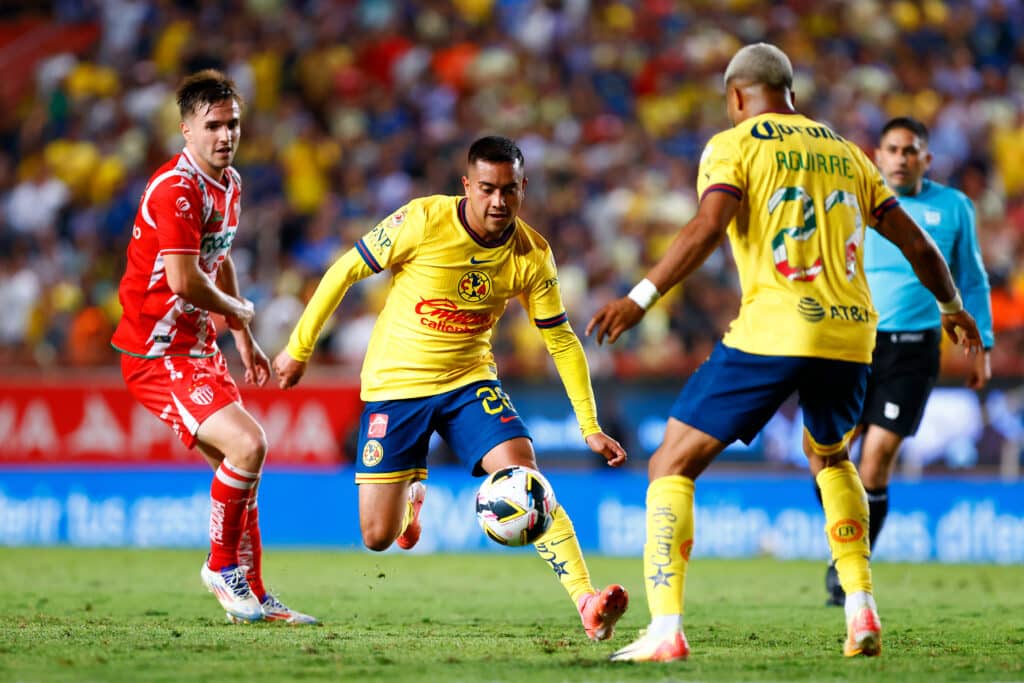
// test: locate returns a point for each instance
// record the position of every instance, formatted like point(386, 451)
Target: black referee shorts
point(904, 367)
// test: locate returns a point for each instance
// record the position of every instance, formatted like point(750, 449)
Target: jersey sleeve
point(571, 364)
point(721, 168)
point(543, 301)
point(394, 240)
point(875, 196)
point(971, 278)
point(345, 272)
point(542, 298)
point(174, 207)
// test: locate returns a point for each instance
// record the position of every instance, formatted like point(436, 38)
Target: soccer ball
point(515, 506)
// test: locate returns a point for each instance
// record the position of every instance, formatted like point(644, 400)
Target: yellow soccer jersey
point(449, 289)
point(807, 195)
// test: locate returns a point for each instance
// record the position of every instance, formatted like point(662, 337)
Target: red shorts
point(183, 392)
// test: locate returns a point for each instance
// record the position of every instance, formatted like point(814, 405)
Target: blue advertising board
point(960, 428)
point(945, 520)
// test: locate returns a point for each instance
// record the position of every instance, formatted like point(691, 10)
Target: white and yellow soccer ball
point(515, 506)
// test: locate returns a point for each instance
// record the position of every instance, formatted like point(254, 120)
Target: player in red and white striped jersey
point(179, 272)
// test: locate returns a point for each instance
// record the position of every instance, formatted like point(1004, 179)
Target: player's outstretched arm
point(290, 364)
point(608, 448)
point(571, 364)
point(933, 272)
point(288, 370)
point(691, 247)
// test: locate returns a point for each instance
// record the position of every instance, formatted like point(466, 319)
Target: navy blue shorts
point(734, 394)
point(394, 436)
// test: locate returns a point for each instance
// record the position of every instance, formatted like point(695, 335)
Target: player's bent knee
point(248, 451)
point(378, 539)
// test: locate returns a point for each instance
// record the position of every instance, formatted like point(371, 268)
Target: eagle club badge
point(373, 453)
point(474, 286)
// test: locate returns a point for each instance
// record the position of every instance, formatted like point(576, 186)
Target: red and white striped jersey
point(183, 211)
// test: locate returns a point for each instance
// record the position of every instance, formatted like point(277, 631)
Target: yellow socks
point(669, 540)
point(560, 549)
point(846, 524)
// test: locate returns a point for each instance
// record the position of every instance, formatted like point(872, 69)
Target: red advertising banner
point(98, 422)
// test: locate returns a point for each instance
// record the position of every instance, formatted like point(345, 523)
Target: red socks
point(230, 493)
point(250, 551)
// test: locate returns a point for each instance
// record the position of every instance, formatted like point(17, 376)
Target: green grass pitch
point(142, 615)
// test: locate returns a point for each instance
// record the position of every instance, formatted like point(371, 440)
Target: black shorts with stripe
point(904, 367)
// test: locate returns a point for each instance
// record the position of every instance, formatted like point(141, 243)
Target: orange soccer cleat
point(864, 634)
point(411, 536)
point(600, 611)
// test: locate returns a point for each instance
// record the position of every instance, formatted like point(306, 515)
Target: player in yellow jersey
point(456, 262)
point(794, 199)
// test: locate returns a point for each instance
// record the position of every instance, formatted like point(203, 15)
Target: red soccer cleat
point(600, 611)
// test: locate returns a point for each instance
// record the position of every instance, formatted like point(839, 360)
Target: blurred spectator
point(354, 107)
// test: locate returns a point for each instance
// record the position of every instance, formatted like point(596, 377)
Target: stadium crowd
point(355, 107)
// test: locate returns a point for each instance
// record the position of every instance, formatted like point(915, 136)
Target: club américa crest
point(475, 286)
point(373, 453)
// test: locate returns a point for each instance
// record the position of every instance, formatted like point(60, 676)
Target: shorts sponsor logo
point(847, 531)
point(810, 310)
point(373, 453)
point(444, 315)
point(201, 395)
point(891, 410)
point(378, 425)
point(475, 286)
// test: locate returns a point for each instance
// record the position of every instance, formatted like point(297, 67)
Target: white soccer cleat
point(233, 592)
point(650, 647)
point(275, 610)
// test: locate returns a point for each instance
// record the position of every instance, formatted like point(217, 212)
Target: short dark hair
point(208, 87)
point(906, 123)
point(495, 148)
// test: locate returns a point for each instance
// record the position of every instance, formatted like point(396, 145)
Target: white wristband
point(950, 307)
point(644, 294)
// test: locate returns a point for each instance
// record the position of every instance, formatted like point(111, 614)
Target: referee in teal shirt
point(905, 363)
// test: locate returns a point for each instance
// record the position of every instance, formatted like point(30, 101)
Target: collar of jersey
point(476, 238)
point(200, 171)
point(776, 112)
point(926, 185)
